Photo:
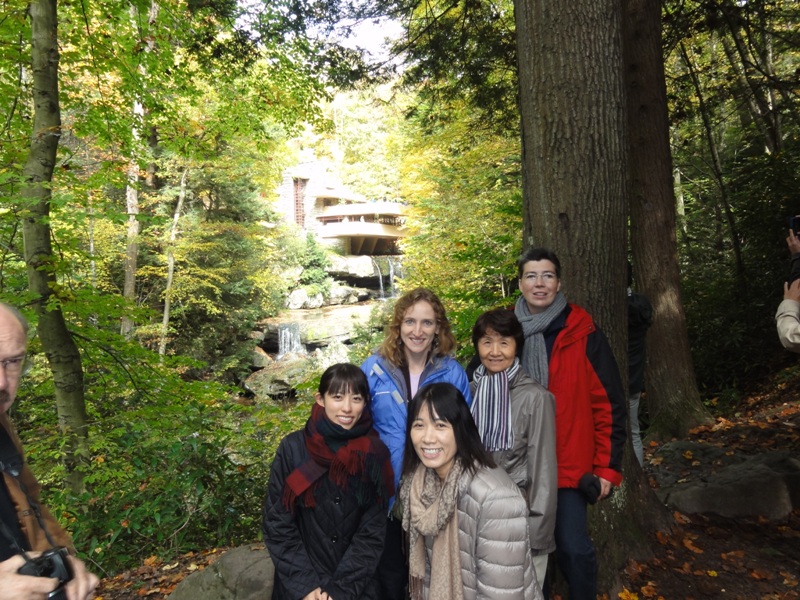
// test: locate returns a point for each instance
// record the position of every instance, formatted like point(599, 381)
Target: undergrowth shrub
point(175, 466)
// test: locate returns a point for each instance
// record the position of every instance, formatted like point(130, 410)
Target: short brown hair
point(391, 348)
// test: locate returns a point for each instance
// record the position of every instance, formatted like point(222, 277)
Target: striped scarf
point(356, 461)
point(491, 407)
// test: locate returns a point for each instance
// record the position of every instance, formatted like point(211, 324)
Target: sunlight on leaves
point(789, 579)
point(760, 575)
point(733, 555)
point(679, 518)
point(690, 546)
point(649, 590)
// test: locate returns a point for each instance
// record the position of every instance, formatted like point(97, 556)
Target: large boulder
point(351, 267)
point(300, 298)
point(260, 358)
point(344, 294)
point(318, 327)
point(737, 485)
point(243, 573)
point(278, 379)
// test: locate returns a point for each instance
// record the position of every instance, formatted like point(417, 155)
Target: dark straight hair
point(538, 254)
point(342, 378)
point(502, 321)
point(447, 403)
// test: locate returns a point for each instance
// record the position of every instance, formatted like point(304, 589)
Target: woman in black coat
point(324, 516)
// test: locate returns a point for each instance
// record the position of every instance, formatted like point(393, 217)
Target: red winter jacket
point(591, 406)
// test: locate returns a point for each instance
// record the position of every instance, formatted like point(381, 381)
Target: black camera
point(50, 563)
point(794, 224)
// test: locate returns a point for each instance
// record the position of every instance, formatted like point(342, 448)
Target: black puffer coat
point(335, 545)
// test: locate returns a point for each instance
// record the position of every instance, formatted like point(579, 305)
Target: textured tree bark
point(672, 395)
point(574, 149)
point(173, 235)
point(131, 260)
point(132, 246)
point(59, 346)
point(575, 198)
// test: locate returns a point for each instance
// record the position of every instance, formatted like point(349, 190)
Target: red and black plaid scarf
point(356, 459)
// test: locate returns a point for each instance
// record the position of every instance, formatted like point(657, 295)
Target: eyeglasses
point(547, 276)
point(17, 365)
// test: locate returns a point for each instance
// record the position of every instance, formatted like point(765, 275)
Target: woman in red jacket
point(566, 352)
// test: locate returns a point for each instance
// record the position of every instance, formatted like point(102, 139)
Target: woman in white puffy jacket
point(466, 519)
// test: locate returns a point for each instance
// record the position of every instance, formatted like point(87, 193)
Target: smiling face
point(342, 408)
point(539, 284)
point(12, 350)
point(434, 441)
point(497, 352)
point(418, 330)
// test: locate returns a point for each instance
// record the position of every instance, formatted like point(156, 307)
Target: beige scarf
point(430, 510)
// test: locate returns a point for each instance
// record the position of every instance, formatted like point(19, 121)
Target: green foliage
point(175, 465)
point(366, 146)
point(728, 314)
point(367, 337)
point(314, 262)
point(462, 184)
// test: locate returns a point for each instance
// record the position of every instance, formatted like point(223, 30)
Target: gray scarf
point(534, 352)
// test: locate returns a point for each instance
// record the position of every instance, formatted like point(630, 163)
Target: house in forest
point(316, 201)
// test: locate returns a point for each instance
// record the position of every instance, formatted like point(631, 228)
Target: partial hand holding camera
point(51, 563)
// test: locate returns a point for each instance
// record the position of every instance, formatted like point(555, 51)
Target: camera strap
point(11, 462)
point(12, 541)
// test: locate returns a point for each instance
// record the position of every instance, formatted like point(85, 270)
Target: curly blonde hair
point(392, 347)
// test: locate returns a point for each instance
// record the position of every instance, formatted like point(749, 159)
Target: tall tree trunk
point(672, 395)
point(132, 190)
point(59, 346)
point(575, 201)
point(573, 149)
point(132, 247)
point(716, 165)
point(173, 234)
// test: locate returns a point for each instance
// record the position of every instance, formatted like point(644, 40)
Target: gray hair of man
point(18, 316)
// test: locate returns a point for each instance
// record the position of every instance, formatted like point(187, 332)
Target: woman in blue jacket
point(416, 351)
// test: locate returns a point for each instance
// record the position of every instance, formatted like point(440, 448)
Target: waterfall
point(380, 276)
point(289, 339)
point(390, 260)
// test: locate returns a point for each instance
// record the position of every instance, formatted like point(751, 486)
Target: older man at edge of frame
point(26, 527)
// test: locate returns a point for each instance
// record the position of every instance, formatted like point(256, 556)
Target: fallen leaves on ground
point(707, 556)
point(155, 580)
point(701, 557)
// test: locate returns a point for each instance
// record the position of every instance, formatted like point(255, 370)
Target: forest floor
point(709, 556)
point(705, 557)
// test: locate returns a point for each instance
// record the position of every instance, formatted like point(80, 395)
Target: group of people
point(411, 478)
point(414, 479)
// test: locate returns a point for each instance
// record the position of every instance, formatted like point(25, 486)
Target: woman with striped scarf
point(515, 416)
